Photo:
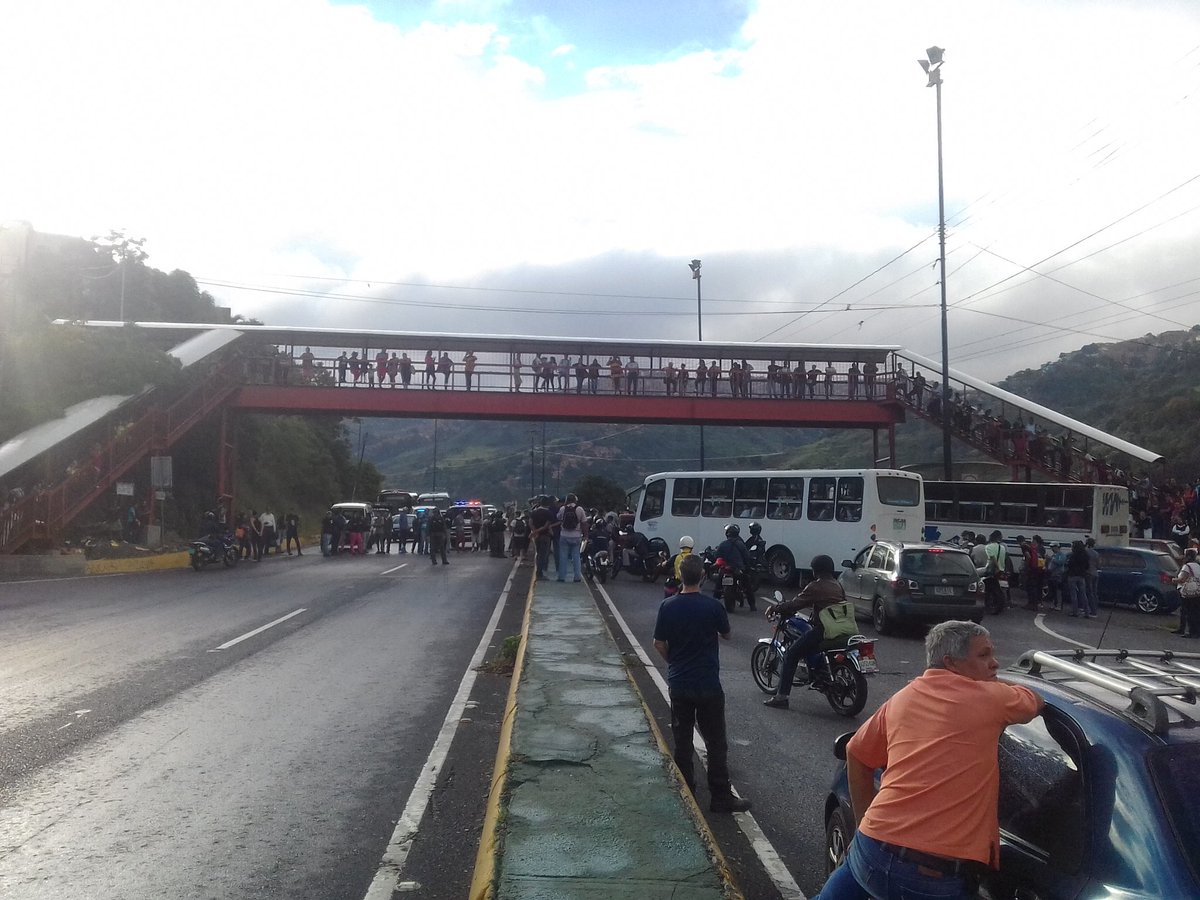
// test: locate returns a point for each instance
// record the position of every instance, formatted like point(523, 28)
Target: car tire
point(1148, 601)
point(838, 833)
point(884, 623)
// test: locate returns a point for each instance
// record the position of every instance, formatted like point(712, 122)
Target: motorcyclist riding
point(733, 551)
point(686, 546)
point(213, 533)
point(756, 546)
point(820, 593)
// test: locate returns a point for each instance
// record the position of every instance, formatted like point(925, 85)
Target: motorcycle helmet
point(821, 566)
point(732, 530)
point(755, 528)
point(686, 541)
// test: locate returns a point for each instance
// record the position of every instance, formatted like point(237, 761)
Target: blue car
point(1098, 795)
point(1135, 576)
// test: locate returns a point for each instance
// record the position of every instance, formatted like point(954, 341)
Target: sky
point(550, 168)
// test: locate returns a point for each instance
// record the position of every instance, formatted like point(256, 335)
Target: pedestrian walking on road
point(931, 829)
point(439, 537)
point(685, 635)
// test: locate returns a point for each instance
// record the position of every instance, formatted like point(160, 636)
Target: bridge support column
point(892, 446)
point(226, 455)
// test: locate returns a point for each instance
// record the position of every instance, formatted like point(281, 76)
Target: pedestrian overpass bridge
point(297, 370)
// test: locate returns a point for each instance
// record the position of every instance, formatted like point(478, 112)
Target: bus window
point(1018, 514)
point(750, 498)
point(972, 511)
point(718, 498)
point(685, 497)
point(785, 498)
point(821, 493)
point(653, 499)
point(849, 499)
point(895, 491)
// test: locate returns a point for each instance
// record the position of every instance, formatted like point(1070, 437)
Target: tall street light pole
point(694, 265)
point(933, 68)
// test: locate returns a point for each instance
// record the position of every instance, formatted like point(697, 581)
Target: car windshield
point(935, 563)
point(1176, 773)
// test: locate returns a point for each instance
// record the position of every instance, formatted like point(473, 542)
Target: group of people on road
point(258, 534)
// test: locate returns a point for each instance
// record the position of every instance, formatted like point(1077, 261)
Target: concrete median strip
point(585, 802)
point(158, 563)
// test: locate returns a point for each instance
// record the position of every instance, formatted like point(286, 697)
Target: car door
point(1043, 812)
point(878, 569)
point(851, 579)
point(1119, 575)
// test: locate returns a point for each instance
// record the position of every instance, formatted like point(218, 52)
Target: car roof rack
point(1146, 678)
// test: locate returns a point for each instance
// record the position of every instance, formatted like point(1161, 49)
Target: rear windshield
point(895, 491)
point(1176, 773)
point(927, 562)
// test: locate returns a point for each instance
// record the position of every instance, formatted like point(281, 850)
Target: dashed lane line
point(259, 630)
point(394, 569)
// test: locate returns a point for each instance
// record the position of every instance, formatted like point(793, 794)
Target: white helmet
point(686, 541)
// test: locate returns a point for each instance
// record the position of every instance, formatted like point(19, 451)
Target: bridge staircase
point(1060, 437)
point(41, 517)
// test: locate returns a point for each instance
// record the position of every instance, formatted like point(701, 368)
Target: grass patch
point(502, 663)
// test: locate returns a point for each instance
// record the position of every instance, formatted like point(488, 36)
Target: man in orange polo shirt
point(931, 829)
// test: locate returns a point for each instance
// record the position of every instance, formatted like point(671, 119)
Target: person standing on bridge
point(594, 376)
point(615, 373)
point(830, 375)
point(342, 364)
point(564, 373)
point(870, 370)
point(306, 365)
point(633, 374)
point(446, 367)
point(814, 375)
point(516, 373)
point(581, 372)
point(393, 367)
point(714, 375)
point(681, 380)
point(931, 828)
point(686, 634)
point(381, 366)
point(405, 370)
point(852, 381)
point(469, 362)
point(429, 382)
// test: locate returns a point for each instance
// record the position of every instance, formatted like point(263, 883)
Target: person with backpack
point(572, 531)
point(519, 548)
point(439, 536)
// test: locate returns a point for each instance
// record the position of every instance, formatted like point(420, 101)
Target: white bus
point(802, 512)
point(1057, 512)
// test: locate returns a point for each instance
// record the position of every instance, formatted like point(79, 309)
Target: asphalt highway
point(259, 733)
point(247, 733)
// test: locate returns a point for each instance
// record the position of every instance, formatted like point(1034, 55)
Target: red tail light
point(1165, 578)
point(866, 649)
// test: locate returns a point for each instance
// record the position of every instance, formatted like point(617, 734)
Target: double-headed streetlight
point(933, 68)
point(694, 265)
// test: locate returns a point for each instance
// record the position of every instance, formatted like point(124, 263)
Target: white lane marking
point(75, 577)
point(259, 630)
point(387, 876)
point(763, 848)
point(394, 569)
point(1039, 621)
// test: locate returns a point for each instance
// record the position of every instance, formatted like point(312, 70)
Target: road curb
point(732, 891)
point(157, 563)
point(483, 881)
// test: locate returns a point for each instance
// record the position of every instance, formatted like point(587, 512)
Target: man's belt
point(943, 864)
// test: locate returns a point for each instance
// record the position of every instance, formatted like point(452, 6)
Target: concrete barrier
point(37, 566)
point(155, 563)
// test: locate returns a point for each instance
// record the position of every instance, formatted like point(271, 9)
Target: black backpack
point(570, 520)
point(520, 528)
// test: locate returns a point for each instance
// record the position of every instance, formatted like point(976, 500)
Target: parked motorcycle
point(201, 554)
point(597, 562)
point(838, 670)
point(647, 558)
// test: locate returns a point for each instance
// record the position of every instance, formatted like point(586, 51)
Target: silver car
point(899, 581)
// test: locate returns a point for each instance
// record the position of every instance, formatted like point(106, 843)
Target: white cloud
point(245, 140)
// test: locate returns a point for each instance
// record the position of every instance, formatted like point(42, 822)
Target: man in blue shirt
point(685, 635)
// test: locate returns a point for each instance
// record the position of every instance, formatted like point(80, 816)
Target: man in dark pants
point(541, 520)
point(439, 537)
point(685, 634)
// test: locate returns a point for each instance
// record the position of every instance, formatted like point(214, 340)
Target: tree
point(123, 250)
point(599, 492)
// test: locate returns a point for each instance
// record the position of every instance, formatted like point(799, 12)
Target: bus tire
point(781, 565)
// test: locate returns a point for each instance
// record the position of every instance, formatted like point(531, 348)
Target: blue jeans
point(568, 553)
point(803, 646)
point(871, 871)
